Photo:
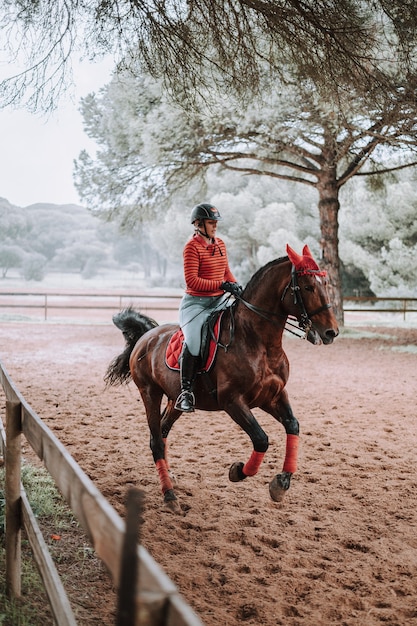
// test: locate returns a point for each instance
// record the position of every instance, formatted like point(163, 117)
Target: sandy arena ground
point(342, 547)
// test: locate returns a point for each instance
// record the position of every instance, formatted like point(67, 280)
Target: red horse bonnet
point(304, 263)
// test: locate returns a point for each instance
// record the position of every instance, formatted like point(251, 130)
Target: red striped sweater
point(206, 267)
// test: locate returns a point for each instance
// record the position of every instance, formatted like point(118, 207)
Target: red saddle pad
point(174, 349)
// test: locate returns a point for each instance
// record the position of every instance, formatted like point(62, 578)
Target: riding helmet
point(205, 212)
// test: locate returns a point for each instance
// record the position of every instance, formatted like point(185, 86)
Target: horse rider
point(208, 279)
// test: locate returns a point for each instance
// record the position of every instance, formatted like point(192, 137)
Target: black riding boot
point(189, 365)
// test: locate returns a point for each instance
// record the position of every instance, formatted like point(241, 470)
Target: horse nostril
point(331, 334)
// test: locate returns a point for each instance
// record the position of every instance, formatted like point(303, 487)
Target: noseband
point(305, 322)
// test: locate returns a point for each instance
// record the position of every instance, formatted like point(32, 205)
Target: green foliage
point(47, 505)
point(13, 612)
point(44, 497)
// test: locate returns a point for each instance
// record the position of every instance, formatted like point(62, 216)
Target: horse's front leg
point(246, 420)
point(282, 411)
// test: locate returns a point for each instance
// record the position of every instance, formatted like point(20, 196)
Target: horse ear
point(296, 259)
point(302, 262)
point(307, 252)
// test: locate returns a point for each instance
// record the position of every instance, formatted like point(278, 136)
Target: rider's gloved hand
point(234, 288)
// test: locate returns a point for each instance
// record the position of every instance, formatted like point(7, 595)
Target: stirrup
point(185, 402)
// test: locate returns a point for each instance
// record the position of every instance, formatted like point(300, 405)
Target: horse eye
point(309, 288)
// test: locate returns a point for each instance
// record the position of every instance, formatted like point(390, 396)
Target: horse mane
point(257, 277)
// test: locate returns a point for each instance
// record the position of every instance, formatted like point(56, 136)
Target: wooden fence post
point(129, 567)
point(13, 498)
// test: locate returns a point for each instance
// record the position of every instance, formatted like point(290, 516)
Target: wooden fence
point(368, 304)
point(156, 600)
point(73, 303)
point(161, 305)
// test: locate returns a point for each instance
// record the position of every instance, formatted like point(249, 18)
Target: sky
point(37, 150)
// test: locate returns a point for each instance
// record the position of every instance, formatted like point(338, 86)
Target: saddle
point(210, 333)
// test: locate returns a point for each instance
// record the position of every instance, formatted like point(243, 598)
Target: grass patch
point(32, 609)
point(44, 497)
point(83, 575)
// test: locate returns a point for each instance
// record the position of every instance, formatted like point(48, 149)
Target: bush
point(34, 267)
point(10, 256)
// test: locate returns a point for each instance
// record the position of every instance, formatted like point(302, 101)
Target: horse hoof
point(279, 485)
point(235, 473)
point(172, 506)
point(171, 503)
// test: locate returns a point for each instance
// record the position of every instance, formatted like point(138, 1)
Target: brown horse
point(250, 370)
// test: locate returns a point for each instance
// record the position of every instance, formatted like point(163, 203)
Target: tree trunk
point(328, 189)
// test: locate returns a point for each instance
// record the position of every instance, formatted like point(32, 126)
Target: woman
point(207, 278)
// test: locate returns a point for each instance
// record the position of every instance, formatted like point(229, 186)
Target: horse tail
point(133, 325)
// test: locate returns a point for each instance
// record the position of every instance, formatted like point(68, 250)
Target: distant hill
point(46, 237)
point(67, 238)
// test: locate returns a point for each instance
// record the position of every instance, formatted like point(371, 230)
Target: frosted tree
point(259, 216)
point(195, 46)
point(13, 222)
point(385, 244)
point(150, 149)
point(10, 257)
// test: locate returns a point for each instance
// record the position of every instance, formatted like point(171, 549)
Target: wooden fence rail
point(66, 301)
point(380, 305)
point(158, 303)
point(157, 598)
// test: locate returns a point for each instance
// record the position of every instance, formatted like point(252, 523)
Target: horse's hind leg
point(169, 416)
point(152, 402)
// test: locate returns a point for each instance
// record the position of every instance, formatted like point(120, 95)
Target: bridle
point(304, 321)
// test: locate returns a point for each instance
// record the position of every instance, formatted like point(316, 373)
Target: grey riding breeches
point(193, 312)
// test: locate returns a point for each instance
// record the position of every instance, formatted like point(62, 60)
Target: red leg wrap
point(252, 466)
point(166, 483)
point(291, 453)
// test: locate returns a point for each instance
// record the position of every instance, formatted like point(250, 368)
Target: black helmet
point(205, 212)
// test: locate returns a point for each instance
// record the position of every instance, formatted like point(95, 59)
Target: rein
point(268, 315)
